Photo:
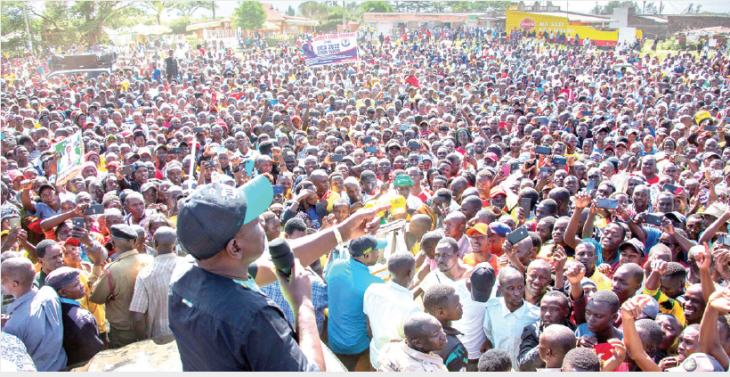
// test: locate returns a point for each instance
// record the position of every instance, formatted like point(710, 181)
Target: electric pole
point(343, 17)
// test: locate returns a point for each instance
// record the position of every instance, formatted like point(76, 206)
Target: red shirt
point(413, 81)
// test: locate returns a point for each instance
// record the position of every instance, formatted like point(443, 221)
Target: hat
point(61, 277)
point(496, 191)
point(45, 186)
point(676, 216)
point(402, 181)
point(478, 228)
point(212, 216)
point(366, 244)
point(9, 211)
point(397, 205)
point(500, 229)
point(698, 362)
point(144, 150)
point(123, 231)
point(482, 280)
point(391, 144)
point(585, 281)
point(636, 244)
point(492, 156)
point(651, 310)
point(147, 186)
point(716, 209)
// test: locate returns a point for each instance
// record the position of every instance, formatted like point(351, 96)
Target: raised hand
point(582, 200)
point(634, 306)
point(659, 266)
point(575, 272)
point(559, 257)
point(720, 300)
point(619, 349)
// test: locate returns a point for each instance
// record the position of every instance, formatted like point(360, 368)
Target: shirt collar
point(397, 287)
point(517, 313)
point(127, 254)
point(22, 299)
point(69, 301)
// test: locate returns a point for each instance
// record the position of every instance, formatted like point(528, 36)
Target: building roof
point(206, 24)
point(657, 19)
point(274, 15)
point(577, 17)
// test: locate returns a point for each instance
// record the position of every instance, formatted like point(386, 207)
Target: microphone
point(281, 256)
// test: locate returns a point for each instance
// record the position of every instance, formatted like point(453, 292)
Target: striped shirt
point(150, 294)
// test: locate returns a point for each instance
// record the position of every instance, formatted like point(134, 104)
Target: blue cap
point(500, 229)
point(212, 216)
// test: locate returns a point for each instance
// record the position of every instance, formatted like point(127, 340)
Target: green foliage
point(179, 24)
point(290, 11)
point(187, 8)
point(376, 7)
point(250, 15)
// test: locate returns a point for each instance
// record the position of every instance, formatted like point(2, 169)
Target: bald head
point(538, 263)
point(418, 328)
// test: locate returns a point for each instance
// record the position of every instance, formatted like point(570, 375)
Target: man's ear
point(233, 249)
point(416, 343)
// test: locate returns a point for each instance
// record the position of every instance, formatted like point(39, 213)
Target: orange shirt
point(470, 259)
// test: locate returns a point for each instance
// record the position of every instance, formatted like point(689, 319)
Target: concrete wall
point(650, 28)
point(678, 23)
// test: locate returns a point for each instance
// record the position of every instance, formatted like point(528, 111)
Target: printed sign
point(527, 23)
point(330, 49)
point(70, 157)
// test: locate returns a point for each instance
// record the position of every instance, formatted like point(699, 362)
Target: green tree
point(179, 24)
point(94, 15)
point(249, 15)
point(290, 11)
point(376, 7)
point(460, 6)
point(187, 8)
point(157, 7)
point(608, 9)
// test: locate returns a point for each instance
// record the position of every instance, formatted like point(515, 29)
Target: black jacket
point(528, 360)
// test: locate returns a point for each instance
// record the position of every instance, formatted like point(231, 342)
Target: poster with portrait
point(70, 157)
point(330, 49)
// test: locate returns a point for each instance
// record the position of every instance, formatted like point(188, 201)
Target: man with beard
point(554, 310)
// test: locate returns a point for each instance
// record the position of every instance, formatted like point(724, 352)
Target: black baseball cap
point(212, 216)
point(365, 244)
point(482, 280)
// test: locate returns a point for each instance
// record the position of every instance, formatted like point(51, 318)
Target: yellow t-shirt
point(95, 309)
point(602, 282)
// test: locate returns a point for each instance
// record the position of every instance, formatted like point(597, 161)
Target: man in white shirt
point(474, 292)
point(387, 306)
point(507, 316)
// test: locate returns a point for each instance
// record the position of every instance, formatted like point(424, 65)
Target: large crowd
point(454, 204)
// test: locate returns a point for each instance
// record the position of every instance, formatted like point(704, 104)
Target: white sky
point(226, 8)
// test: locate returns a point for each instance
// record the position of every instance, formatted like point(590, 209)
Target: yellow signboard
point(543, 23)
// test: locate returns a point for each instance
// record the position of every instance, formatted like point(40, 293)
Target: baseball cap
point(366, 244)
point(482, 280)
point(478, 228)
point(61, 277)
point(402, 180)
point(651, 310)
point(500, 229)
point(397, 205)
point(492, 156)
point(676, 216)
point(212, 216)
point(636, 244)
point(124, 232)
point(698, 362)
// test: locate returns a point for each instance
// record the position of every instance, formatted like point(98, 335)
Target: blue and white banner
point(330, 49)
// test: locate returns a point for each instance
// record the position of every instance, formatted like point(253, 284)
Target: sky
point(671, 7)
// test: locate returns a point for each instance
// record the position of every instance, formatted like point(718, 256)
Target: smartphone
point(403, 127)
point(532, 110)
point(492, 108)
point(590, 187)
point(514, 168)
point(14, 222)
point(574, 122)
point(586, 113)
point(278, 189)
point(709, 128)
point(560, 161)
point(367, 139)
point(175, 151)
point(310, 137)
point(127, 169)
point(79, 222)
point(542, 150)
point(544, 172)
point(653, 219)
point(526, 205)
point(414, 145)
point(671, 188)
point(724, 239)
point(248, 166)
point(97, 209)
point(541, 120)
point(506, 170)
point(517, 235)
point(197, 130)
point(444, 128)
point(620, 100)
point(607, 203)
point(371, 150)
point(336, 158)
point(679, 158)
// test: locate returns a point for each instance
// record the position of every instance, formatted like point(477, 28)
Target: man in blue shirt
point(35, 315)
point(347, 281)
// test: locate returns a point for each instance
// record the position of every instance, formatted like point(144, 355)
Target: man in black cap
point(218, 317)
point(80, 334)
point(114, 286)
